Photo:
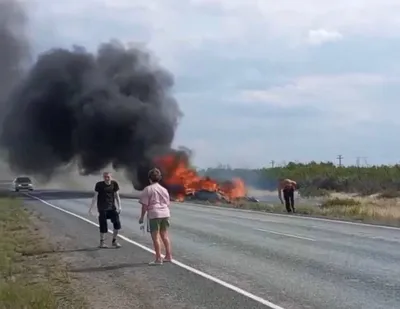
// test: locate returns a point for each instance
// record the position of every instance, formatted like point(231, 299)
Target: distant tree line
point(318, 178)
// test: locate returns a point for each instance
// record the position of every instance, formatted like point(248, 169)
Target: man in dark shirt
point(108, 206)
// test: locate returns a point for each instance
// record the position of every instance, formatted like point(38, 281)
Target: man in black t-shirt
point(108, 206)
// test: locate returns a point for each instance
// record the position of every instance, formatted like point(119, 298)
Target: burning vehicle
point(183, 182)
point(207, 196)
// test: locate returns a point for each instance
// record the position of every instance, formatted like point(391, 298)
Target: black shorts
point(112, 215)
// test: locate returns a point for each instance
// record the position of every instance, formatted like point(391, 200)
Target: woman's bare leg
point(156, 244)
point(167, 244)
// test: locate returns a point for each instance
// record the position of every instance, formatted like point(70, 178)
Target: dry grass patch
point(30, 277)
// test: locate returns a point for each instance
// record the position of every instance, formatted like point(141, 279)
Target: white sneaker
point(102, 244)
point(116, 244)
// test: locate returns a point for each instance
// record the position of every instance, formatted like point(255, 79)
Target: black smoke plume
point(113, 106)
point(14, 48)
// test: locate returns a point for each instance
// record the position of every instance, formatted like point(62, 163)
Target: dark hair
point(154, 175)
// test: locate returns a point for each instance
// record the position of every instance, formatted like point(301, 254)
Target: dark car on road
point(22, 183)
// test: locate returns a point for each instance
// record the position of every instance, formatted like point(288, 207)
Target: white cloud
point(191, 23)
point(229, 28)
point(342, 95)
point(320, 36)
point(293, 19)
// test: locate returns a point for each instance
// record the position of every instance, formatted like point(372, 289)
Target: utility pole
point(365, 162)
point(340, 158)
point(272, 163)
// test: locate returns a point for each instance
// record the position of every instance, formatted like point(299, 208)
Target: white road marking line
point(182, 265)
point(220, 220)
point(235, 218)
point(283, 234)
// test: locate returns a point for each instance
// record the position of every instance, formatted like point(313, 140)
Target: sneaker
point(102, 244)
point(116, 244)
point(155, 263)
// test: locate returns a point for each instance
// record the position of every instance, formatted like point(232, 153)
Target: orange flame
point(183, 180)
point(235, 188)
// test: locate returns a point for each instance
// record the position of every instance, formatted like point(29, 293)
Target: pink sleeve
point(144, 197)
point(167, 197)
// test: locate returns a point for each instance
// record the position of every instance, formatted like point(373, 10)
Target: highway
point(289, 261)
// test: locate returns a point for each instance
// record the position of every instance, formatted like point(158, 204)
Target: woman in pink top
point(155, 201)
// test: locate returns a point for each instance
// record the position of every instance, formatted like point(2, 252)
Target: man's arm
point(118, 201)
point(280, 192)
point(94, 199)
point(117, 197)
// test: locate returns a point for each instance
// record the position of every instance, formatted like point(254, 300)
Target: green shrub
point(334, 202)
point(313, 192)
point(389, 194)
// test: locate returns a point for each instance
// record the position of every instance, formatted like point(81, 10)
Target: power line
point(272, 163)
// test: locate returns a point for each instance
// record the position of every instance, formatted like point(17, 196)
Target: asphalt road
point(290, 261)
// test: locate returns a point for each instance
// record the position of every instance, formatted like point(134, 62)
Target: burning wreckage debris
point(184, 183)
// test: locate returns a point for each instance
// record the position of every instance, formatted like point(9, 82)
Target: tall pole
point(340, 158)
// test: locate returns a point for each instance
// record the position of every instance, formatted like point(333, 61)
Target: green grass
point(30, 277)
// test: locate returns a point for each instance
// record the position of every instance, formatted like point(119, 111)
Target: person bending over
point(108, 206)
point(155, 201)
point(288, 187)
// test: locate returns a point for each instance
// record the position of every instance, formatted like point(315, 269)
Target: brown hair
point(154, 175)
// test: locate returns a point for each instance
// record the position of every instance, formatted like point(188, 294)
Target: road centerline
point(284, 234)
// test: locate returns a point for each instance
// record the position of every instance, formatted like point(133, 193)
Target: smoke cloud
point(14, 49)
point(114, 106)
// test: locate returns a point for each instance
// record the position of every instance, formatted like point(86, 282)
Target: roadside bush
point(313, 192)
point(389, 194)
point(335, 202)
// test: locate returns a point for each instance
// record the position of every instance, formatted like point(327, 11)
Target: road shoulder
point(30, 276)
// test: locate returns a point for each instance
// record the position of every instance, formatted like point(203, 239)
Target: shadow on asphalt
point(106, 268)
point(62, 251)
point(88, 269)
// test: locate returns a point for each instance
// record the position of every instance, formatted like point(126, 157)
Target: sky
point(259, 80)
